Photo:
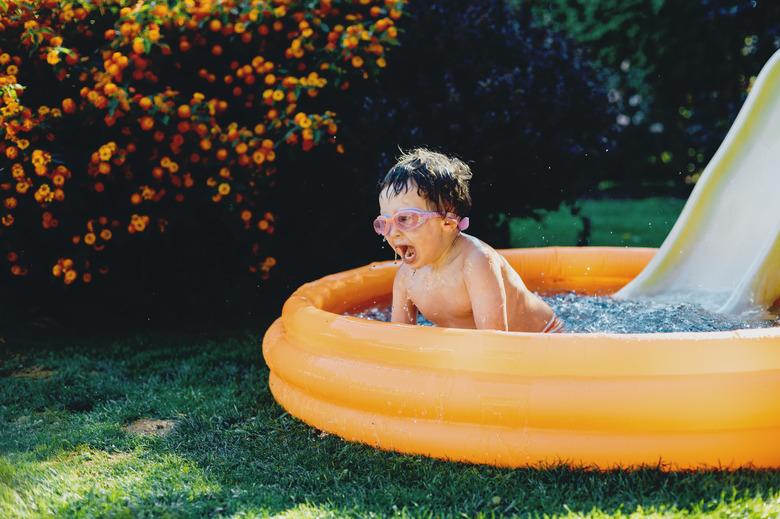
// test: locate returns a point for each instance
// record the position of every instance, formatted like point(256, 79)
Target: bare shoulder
point(478, 253)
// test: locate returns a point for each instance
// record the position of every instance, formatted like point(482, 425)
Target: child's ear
point(448, 223)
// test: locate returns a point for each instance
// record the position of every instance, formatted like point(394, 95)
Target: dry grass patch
point(33, 372)
point(149, 427)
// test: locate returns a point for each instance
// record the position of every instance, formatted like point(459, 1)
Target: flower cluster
point(136, 108)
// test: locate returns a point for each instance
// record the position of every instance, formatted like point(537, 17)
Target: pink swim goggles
point(409, 219)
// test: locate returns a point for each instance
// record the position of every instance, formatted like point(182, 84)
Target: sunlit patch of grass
point(90, 481)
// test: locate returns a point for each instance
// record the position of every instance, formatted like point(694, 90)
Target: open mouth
point(408, 253)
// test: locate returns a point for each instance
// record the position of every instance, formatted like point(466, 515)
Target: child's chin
point(414, 262)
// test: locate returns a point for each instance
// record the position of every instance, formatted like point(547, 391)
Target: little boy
point(454, 279)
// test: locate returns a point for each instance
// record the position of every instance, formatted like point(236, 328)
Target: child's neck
point(447, 255)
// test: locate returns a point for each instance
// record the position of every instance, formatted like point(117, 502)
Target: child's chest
point(440, 297)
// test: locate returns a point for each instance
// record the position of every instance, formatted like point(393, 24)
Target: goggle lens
point(404, 221)
point(407, 221)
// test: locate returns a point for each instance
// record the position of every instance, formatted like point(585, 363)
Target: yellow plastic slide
point(724, 251)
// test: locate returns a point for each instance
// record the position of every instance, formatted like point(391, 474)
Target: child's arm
point(485, 285)
point(404, 310)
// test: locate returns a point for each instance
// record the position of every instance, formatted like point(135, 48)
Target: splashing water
point(592, 314)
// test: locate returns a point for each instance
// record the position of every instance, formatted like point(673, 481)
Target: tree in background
point(678, 72)
point(521, 105)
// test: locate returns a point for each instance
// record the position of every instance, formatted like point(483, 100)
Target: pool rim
point(519, 399)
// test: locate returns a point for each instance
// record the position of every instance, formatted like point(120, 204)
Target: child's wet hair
point(442, 180)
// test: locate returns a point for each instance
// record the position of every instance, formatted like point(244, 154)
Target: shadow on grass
point(235, 451)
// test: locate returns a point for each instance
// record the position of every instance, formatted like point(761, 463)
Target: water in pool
point(589, 314)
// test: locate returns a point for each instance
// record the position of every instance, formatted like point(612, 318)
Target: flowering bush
point(120, 119)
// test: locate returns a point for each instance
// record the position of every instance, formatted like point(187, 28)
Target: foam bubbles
point(590, 314)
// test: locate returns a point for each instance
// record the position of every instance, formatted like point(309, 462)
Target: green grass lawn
point(232, 451)
point(634, 223)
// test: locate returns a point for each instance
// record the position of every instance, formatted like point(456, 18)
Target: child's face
point(424, 244)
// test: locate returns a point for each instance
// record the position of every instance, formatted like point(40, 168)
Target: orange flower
point(147, 123)
point(70, 276)
point(89, 238)
point(139, 47)
point(105, 234)
point(184, 111)
point(224, 189)
point(246, 215)
point(68, 105)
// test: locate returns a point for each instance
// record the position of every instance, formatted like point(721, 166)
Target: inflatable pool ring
point(684, 400)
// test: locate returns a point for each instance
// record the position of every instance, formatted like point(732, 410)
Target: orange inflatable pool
point(685, 400)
